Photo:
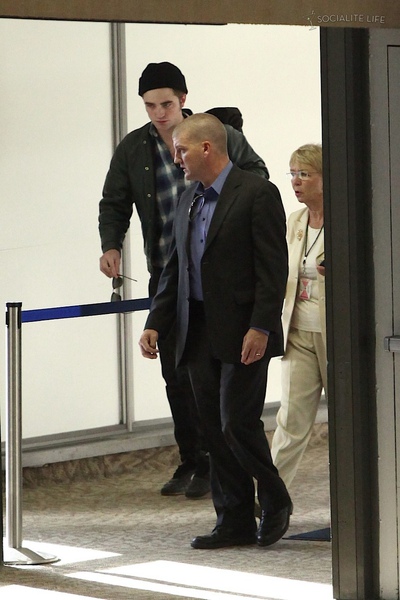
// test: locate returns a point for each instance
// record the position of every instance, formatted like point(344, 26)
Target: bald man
point(224, 286)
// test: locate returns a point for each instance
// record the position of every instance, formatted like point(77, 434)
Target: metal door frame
point(350, 312)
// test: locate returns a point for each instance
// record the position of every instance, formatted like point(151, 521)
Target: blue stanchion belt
point(85, 310)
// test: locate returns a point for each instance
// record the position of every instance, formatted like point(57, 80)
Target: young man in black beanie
point(143, 173)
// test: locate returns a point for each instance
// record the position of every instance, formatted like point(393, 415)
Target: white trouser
point(303, 379)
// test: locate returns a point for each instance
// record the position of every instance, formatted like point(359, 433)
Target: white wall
point(55, 120)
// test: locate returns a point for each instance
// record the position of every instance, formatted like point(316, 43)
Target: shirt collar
point(218, 184)
point(153, 130)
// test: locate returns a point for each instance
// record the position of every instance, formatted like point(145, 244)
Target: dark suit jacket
point(244, 269)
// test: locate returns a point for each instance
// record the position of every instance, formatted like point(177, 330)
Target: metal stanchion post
point(1, 507)
point(14, 552)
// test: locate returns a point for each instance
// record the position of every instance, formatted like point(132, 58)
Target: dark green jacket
point(131, 181)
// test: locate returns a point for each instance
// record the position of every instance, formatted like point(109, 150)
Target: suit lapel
point(299, 232)
point(182, 221)
point(227, 198)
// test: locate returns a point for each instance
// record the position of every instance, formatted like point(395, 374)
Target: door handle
point(392, 343)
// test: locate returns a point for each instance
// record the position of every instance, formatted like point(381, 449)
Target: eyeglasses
point(196, 206)
point(303, 175)
point(117, 282)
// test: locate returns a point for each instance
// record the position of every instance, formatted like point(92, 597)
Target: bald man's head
point(200, 143)
point(204, 127)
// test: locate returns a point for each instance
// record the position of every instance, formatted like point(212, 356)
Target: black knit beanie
point(161, 75)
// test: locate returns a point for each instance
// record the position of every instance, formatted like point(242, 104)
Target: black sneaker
point(179, 482)
point(198, 487)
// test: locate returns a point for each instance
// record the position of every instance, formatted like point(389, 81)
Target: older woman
point(304, 361)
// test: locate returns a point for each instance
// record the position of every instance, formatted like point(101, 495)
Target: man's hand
point(254, 346)
point(148, 343)
point(109, 263)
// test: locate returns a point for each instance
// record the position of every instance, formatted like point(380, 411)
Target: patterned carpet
point(116, 537)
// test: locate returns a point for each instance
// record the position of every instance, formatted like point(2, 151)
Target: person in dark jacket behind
point(143, 173)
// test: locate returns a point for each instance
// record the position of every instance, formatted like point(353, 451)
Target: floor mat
point(318, 535)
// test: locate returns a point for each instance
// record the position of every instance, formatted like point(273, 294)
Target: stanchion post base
point(24, 556)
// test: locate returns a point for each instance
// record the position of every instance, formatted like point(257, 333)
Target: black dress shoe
point(223, 538)
point(273, 526)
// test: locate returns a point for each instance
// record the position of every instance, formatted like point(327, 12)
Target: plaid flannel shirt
point(170, 183)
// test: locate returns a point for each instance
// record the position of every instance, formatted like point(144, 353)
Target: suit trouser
point(303, 379)
point(187, 430)
point(230, 399)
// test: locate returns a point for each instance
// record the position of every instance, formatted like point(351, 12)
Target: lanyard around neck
point(307, 252)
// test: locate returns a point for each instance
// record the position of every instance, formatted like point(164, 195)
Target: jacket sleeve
point(115, 208)
point(242, 154)
point(163, 309)
point(270, 259)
